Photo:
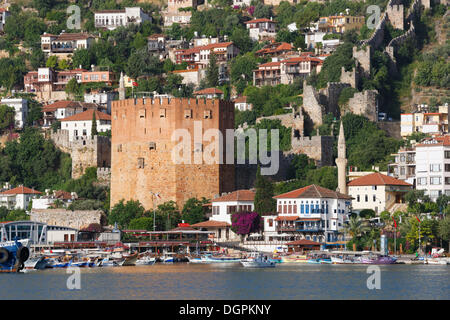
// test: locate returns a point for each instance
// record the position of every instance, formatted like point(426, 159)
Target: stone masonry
point(146, 155)
point(84, 151)
point(77, 219)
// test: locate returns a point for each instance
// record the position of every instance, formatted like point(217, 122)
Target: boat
point(201, 259)
point(260, 261)
point(167, 257)
point(145, 260)
point(438, 261)
point(378, 259)
point(343, 259)
point(222, 259)
point(13, 255)
point(129, 260)
point(36, 263)
point(107, 262)
point(293, 258)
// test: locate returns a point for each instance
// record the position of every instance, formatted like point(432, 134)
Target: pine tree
point(212, 72)
point(94, 131)
point(264, 201)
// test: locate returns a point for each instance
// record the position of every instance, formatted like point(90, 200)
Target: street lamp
point(154, 210)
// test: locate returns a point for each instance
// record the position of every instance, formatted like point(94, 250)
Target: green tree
point(444, 230)
point(94, 131)
point(141, 63)
point(7, 118)
point(73, 88)
point(52, 62)
point(141, 223)
point(193, 211)
point(264, 201)
point(212, 71)
point(17, 215)
point(82, 58)
point(242, 71)
point(123, 213)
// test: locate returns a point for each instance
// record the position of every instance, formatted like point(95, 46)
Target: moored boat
point(13, 255)
point(260, 261)
point(146, 260)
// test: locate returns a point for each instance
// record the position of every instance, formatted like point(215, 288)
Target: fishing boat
point(145, 260)
point(36, 263)
point(201, 259)
point(57, 263)
point(13, 255)
point(107, 262)
point(260, 261)
point(129, 260)
point(167, 257)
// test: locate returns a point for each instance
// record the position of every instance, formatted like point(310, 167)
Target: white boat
point(201, 259)
point(222, 259)
point(439, 261)
point(167, 257)
point(107, 262)
point(260, 261)
point(146, 260)
point(36, 263)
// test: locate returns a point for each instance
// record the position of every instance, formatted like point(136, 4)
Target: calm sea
point(205, 282)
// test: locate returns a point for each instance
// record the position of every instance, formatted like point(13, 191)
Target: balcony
point(286, 228)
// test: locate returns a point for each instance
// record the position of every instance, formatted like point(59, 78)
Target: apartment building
point(261, 29)
point(287, 70)
point(112, 19)
point(425, 121)
point(340, 23)
point(433, 166)
point(20, 106)
point(65, 43)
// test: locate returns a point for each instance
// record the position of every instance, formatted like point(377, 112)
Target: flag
point(417, 219)
point(395, 222)
point(135, 84)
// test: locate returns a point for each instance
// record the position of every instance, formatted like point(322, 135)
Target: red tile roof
point(211, 224)
point(239, 195)
point(260, 20)
point(209, 91)
point(435, 141)
point(275, 47)
point(88, 115)
point(206, 47)
point(377, 179)
point(20, 190)
point(312, 191)
point(287, 218)
point(242, 99)
point(270, 64)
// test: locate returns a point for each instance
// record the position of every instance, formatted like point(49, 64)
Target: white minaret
point(341, 162)
point(121, 87)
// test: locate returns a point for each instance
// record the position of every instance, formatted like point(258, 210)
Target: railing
point(286, 228)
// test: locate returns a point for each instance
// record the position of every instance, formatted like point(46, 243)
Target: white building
point(103, 99)
point(80, 124)
point(3, 16)
point(18, 198)
point(65, 43)
point(241, 3)
point(222, 209)
point(378, 192)
point(433, 166)
point(241, 104)
point(209, 93)
point(21, 109)
point(261, 29)
point(312, 213)
point(111, 19)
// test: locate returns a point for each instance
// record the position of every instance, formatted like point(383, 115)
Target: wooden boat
point(146, 260)
point(293, 258)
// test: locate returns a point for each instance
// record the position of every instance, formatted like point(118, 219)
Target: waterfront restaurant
point(303, 245)
point(182, 236)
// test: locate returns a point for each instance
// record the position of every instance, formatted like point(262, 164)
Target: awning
point(287, 218)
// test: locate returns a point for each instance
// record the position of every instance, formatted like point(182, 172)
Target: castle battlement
point(170, 102)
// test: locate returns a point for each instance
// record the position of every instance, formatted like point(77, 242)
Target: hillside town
point(94, 119)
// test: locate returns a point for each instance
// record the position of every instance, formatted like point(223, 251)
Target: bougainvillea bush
point(245, 222)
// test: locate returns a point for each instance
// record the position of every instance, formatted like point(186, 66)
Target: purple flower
point(245, 222)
